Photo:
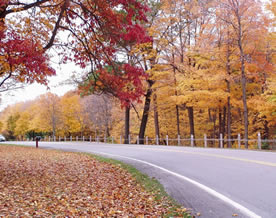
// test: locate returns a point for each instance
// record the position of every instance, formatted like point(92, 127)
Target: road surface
point(212, 182)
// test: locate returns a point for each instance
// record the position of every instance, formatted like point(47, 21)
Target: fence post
point(167, 140)
point(178, 140)
point(147, 140)
point(49, 138)
point(36, 142)
point(97, 139)
point(54, 138)
point(83, 138)
point(129, 138)
point(239, 140)
point(205, 141)
point(77, 138)
point(70, 138)
point(220, 140)
point(90, 138)
point(137, 140)
point(59, 139)
point(120, 139)
point(65, 138)
point(112, 140)
point(192, 140)
point(157, 140)
point(259, 141)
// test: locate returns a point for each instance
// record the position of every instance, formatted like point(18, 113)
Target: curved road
point(212, 182)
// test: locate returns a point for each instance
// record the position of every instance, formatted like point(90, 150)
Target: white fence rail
point(206, 142)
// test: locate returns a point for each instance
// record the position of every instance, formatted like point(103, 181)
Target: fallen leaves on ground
point(36, 182)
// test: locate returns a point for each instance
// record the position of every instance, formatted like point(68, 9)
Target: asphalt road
point(212, 182)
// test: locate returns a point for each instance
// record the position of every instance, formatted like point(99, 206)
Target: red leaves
point(113, 28)
point(125, 83)
point(3, 3)
point(44, 183)
point(97, 32)
point(136, 33)
point(24, 59)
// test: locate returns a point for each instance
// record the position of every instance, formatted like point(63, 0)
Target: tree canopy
point(204, 67)
point(89, 33)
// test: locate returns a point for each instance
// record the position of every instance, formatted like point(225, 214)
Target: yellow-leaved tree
point(49, 114)
point(73, 116)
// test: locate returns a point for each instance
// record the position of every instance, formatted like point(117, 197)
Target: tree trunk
point(145, 113)
point(156, 118)
point(213, 119)
point(214, 130)
point(176, 94)
point(53, 126)
point(127, 116)
point(107, 132)
point(224, 121)
point(191, 121)
point(177, 119)
point(243, 76)
point(229, 119)
point(228, 69)
point(266, 128)
point(229, 122)
point(220, 122)
point(245, 109)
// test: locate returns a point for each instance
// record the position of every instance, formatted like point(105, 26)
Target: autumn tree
point(198, 66)
point(50, 113)
point(97, 40)
point(23, 57)
point(117, 30)
point(11, 125)
point(72, 115)
point(96, 32)
point(246, 19)
point(1, 126)
point(99, 113)
point(147, 54)
point(183, 23)
point(22, 124)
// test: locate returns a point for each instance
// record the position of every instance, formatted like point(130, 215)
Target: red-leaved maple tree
point(99, 40)
point(94, 32)
point(22, 59)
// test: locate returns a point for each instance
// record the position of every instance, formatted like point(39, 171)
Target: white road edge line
point(216, 194)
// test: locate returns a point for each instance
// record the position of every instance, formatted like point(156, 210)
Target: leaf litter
point(47, 183)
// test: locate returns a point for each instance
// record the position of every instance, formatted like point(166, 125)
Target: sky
point(30, 92)
point(64, 72)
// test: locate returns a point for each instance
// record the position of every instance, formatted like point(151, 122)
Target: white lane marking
point(216, 194)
